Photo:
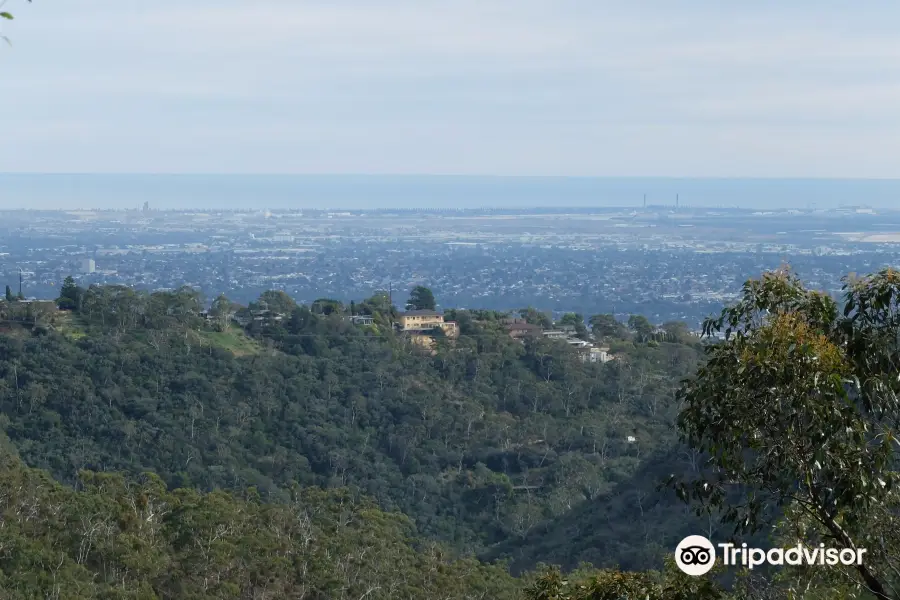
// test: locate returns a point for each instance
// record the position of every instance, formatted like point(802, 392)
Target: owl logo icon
point(695, 555)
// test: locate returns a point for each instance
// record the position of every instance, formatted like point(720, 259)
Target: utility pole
point(391, 303)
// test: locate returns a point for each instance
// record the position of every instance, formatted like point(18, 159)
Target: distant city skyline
point(274, 192)
point(569, 87)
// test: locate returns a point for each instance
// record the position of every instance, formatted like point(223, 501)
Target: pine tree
point(69, 295)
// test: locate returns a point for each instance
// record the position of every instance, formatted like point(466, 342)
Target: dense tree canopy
point(575, 320)
point(487, 444)
point(421, 298)
point(133, 538)
point(641, 327)
point(797, 411)
point(479, 443)
point(536, 317)
point(607, 326)
point(613, 584)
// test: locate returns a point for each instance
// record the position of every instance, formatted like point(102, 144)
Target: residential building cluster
point(520, 329)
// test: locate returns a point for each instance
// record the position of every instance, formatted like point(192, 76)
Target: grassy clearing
point(234, 340)
point(69, 325)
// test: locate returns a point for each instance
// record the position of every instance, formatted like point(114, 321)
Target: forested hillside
point(118, 538)
point(477, 443)
point(278, 450)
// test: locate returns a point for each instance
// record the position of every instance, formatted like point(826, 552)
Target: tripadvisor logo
point(695, 555)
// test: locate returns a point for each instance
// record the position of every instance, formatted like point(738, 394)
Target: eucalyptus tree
point(796, 411)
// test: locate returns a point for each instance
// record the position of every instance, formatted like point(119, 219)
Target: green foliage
point(612, 584)
point(222, 312)
point(480, 443)
point(5, 15)
point(9, 295)
point(629, 522)
point(491, 445)
point(327, 306)
point(677, 332)
point(125, 309)
point(797, 411)
point(33, 317)
point(70, 295)
point(233, 340)
point(641, 327)
point(577, 321)
point(536, 317)
point(421, 298)
point(607, 326)
point(379, 303)
point(274, 301)
point(119, 538)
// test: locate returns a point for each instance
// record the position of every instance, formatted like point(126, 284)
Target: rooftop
point(522, 326)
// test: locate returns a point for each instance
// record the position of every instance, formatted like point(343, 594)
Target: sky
point(694, 88)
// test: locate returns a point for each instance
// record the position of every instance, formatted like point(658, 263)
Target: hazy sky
point(555, 87)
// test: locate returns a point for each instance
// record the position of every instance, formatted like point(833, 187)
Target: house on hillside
point(245, 317)
point(588, 352)
point(266, 315)
point(362, 319)
point(555, 334)
point(520, 329)
point(577, 343)
point(600, 355)
point(419, 321)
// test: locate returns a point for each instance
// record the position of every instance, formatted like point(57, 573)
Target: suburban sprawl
point(664, 262)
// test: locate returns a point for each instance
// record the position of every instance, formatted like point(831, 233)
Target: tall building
point(88, 265)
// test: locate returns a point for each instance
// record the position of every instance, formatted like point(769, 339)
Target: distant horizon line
point(454, 176)
point(482, 209)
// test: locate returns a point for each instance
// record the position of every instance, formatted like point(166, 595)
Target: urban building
point(88, 265)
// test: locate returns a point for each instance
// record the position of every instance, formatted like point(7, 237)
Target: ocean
point(353, 192)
